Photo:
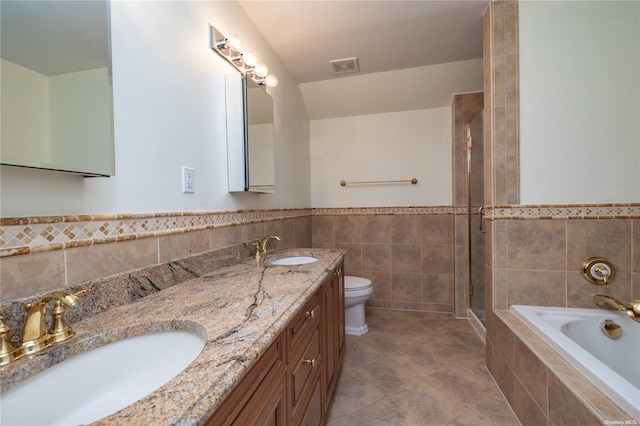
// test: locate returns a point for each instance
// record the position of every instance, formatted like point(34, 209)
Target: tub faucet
point(632, 308)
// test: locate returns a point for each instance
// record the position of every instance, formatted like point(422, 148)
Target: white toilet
point(356, 292)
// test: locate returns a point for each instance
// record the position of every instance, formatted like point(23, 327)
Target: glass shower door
point(475, 163)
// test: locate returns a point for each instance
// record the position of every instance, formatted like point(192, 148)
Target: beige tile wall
point(68, 262)
point(408, 256)
point(541, 260)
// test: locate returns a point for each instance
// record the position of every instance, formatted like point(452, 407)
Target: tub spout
point(602, 299)
point(632, 308)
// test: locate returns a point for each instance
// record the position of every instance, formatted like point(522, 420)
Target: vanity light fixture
point(249, 58)
point(271, 80)
point(246, 62)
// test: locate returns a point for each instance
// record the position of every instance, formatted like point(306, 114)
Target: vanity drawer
point(302, 323)
point(302, 370)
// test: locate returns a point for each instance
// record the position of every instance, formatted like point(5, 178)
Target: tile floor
point(417, 368)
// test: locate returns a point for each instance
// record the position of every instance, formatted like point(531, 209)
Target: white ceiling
point(383, 35)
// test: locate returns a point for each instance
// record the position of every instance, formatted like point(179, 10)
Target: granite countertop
point(240, 309)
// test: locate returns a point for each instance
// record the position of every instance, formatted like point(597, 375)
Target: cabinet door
point(259, 394)
point(340, 315)
point(329, 330)
point(333, 327)
point(314, 413)
point(268, 405)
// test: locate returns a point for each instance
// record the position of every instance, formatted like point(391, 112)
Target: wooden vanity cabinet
point(292, 382)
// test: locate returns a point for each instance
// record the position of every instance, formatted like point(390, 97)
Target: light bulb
point(271, 80)
point(261, 70)
point(234, 42)
point(249, 58)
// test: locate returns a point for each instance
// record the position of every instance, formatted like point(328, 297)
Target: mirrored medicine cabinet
point(250, 140)
point(57, 105)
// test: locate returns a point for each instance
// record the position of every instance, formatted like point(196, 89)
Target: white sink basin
point(294, 260)
point(97, 383)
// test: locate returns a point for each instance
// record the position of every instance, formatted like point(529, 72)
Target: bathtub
point(614, 365)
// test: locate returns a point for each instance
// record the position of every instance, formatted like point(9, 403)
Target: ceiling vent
point(345, 66)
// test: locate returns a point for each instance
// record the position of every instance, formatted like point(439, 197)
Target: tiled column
point(501, 135)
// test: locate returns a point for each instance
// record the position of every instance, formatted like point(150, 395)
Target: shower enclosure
point(475, 164)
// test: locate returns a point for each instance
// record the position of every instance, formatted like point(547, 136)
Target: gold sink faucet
point(632, 308)
point(34, 333)
point(261, 247)
point(35, 336)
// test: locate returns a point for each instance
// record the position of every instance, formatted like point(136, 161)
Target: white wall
point(169, 113)
point(579, 101)
point(387, 146)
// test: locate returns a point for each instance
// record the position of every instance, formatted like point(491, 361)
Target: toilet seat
point(355, 283)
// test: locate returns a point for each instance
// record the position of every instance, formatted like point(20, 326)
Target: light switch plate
point(188, 180)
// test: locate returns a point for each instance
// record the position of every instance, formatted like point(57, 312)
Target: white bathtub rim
point(617, 387)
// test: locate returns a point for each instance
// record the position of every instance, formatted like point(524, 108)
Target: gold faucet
point(34, 333)
point(261, 247)
point(35, 336)
point(632, 308)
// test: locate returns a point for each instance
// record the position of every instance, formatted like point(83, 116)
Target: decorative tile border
point(542, 211)
point(26, 235)
point(341, 211)
point(565, 211)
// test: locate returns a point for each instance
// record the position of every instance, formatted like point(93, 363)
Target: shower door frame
point(465, 107)
point(476, 232)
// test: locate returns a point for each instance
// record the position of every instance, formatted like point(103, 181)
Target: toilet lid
point(355, 283)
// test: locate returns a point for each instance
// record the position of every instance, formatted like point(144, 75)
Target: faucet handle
point(8, 352)
point(598, 271)
point(59, 330)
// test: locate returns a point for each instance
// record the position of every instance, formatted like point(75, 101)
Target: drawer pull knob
point(311, 362)
point(310, 314)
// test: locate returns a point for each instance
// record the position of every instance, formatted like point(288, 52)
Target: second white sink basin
point(294, 260)
point(97, 383)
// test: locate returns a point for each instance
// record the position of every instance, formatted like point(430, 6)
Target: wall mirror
point(250, 142)
point(57, 104)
